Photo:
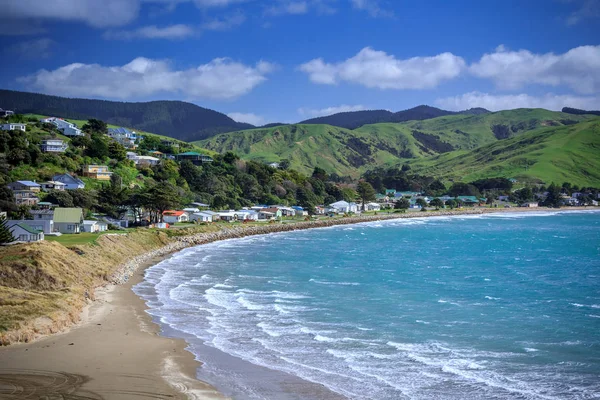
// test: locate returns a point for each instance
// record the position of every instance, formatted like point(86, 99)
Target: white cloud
point(376, 69)
point(220, 79)
point(372, 7)
point(506, 102)
point(249, 118)
point(587, 9)
point(93, 12)
point(284, 7)
point(178, 31)
point(311, 112)
point(32, 49)
point(223, 24)
point(579, 68)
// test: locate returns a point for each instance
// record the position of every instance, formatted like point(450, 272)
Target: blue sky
point(287, 60)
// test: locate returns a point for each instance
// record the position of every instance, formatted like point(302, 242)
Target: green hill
point(177, 119)
point(554, 154)
point(350, 152)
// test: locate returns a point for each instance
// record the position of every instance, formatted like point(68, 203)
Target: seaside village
point(34, 217)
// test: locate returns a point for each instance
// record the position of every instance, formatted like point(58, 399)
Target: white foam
point(334, 283)
point(492, 298)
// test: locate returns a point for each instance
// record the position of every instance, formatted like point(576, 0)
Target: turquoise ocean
point(502, 306)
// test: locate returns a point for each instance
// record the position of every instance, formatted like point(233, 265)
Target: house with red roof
point(172, 216)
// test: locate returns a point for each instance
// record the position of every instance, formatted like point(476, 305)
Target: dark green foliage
point(421, 202)
point(181, 120)
point(95, 126)
point(493, 184)
point(522, 196)
point(98, 146)
point(553, 197)
point(451, 204)
point(116, 151)
point(437, 203)
point(402, 204)
point(366, 192)
point(7, 199)
point(62, 198)
point(5, 234)
point(576, 111)
point(463, 189)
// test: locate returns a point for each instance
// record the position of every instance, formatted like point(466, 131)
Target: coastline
point(86, 359)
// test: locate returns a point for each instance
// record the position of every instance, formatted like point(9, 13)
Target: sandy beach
point(116, 352)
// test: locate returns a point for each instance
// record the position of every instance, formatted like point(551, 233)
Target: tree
point(402, 204)
point(98, 147)
point(5, 233)
point(421, 202)
point(7, 200)
point(95, 126)
point(284, 164)
point(451, 203)
point(464, 189)
point(437, 203)
point(553, 198)
point(160, 197)
point(61, 197)
point(366, 192)
point(320, 174)
point(116, 151)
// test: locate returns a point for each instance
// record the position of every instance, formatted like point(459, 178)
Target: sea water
point(502, 306)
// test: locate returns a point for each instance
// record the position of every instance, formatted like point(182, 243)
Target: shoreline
point(168, 369)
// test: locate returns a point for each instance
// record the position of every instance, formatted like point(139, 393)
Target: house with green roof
point(194, 157)
point(22, 232)
point(68, 220)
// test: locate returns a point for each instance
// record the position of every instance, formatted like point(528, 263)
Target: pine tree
point(5, 234)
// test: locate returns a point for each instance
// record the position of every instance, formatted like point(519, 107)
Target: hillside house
point(52, 185)
point(65, 127)
point(172, 216)
point(53, 146)
point(146, 160)
point(341, 207)
point(68, 220)
point(194, 157)
point(99, 172)
point(42, 215)
point(25, 192)
point(22, 232)
point(6, 113)
point(71, 182)
point(123, 136)
point(13, 127)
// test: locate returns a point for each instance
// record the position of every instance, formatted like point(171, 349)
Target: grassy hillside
point(559, 154)
point(177, 119)
point(350, 152)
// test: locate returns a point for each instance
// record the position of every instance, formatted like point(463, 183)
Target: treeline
point(181, 120)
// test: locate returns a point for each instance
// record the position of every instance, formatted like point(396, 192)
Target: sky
point(262, 61)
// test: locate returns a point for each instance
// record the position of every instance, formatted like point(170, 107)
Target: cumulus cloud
point(249, 118)
point(32, 49)
point(506, 102)
point(178, 31)
point(312, 112)
point(377, 69)
point(283, 7)
point(226, 23)
point(586, 9)
point(220, 79)
point(578, 68)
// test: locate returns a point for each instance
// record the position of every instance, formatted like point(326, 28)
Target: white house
point(287, 211)
point(65, 127)
point(146, 160)
point(343, 207)
point(172, 216)
point(24, 233)
point(52, 185)
point(247, 215)
point(71, 182)
point(227, 215)
point(6, 113)
point(531, 204)
point(94, 226)
point(372, 207)
point(13, 127)
point(191, 210)
point(53, 146)
point(204, 216)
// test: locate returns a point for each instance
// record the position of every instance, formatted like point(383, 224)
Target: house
point(194, 157)
point(287, 211)
point(246, 215)
point(227, 215)
point(172, 216)
point(265, 215)
point(340, 207)
point(531, 204)
point(372, 207)
point(274, 165)
point(300, 211)
point(53, 146)
point(52, 185)
point(22, 232)
point(12, 127)
point(94, 226)
point(468, 200)
point(204, 216)
point(65, 127)
point(269, 212)
point(42, 215)
point(6, 113)
point(68, 220)
point(123, 136)
point(25, 192)
point(390, 192)
point(146, 160)
point(99, 172)
point(71, 182)
point(43, 225)
point(503, 198)
point(131, 155)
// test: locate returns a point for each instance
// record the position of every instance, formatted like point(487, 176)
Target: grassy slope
point(559, 154)
point(350, 152)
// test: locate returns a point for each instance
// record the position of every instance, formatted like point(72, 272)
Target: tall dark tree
point(402, 204)
point(95, 126)
point(366, 192)
point(553, 198)
point(5, 233)
point(116, 151)
point(437, 203)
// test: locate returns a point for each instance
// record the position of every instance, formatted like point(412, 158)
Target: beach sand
point(115, 352)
